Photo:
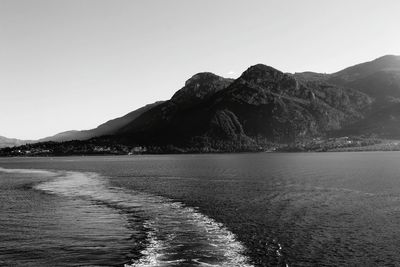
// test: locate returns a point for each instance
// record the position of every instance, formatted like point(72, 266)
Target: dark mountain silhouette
point(200, 87)
point(383, 122)
point(160, 124)
point(262, 105)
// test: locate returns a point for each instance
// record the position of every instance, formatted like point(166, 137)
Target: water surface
point(312, 209)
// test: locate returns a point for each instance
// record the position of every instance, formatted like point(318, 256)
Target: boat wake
point(176, 235)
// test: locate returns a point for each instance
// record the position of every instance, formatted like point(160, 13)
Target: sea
point(233, 210)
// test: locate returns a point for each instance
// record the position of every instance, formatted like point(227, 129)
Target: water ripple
point(177, 235)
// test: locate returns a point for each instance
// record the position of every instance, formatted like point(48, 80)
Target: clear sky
point(73, 64)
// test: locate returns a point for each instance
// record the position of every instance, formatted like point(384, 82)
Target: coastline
point(81, 148)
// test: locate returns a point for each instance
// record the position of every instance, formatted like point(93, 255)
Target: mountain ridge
point(224, 117)
point(263, 106)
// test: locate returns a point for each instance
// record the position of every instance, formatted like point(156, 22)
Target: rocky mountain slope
point(379, 79)
point(263, 105)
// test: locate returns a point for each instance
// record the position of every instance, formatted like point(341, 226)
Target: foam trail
point(176, 234)
point(28, 171)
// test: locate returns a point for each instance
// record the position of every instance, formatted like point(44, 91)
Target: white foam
point(27, 171)
point(152, 251)
point(168, 224)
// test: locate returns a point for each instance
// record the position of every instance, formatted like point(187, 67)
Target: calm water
point(314, 209)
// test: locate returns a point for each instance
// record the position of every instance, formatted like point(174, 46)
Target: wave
point(176, 234)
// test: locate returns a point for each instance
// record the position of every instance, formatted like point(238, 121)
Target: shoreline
point(360, 149)
point(90, 148)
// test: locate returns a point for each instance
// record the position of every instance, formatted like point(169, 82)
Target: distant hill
point(388, 63)
point(107, 128)
point(380, 79)
point(9, 142)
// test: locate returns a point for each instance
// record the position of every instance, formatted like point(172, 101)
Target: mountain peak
point(202, 78)
point(200, 86)
point(261, 72)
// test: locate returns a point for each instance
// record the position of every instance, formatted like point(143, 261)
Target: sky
point(74, 64)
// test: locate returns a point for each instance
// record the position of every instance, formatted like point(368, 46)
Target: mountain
point(383, 122)
point(10, 142)
point(156, 125)
point(388, 63)
point(107, 128)
point(199, 88)
point(261, 108)
point(263, 105)
point(379, 79)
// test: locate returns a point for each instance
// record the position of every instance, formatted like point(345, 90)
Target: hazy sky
point(74, 64)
